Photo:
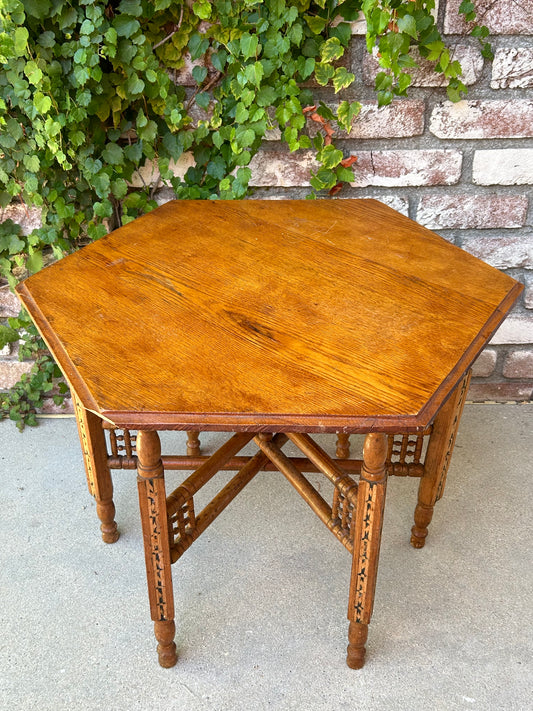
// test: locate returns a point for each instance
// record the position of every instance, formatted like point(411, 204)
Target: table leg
point(437, 461)
point(153, 506)
point(93, 445)
point(367, 539)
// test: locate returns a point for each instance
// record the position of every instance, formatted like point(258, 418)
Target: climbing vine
point(93, 121)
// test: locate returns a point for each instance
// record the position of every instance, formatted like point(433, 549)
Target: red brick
point(472, 211)
point(281, 168)
point(517, 328)
point(425, 75)
point(502, 252)
point(29, 218)
point(9, 304)
point(528, 293)
point(507, 17)
point(519, 364)
point(500, 392)
point(11, 371)
point(399, 119)
point(503, 166)
point(483, 119)
point(485, 364)
point(407, 168)
point(512, 68)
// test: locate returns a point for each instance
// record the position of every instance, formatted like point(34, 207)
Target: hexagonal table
point(271, 320)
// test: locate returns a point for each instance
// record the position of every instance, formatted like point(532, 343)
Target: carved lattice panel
point(181, 522)
point(405, 449)
point(343, 512)
point(122, 443)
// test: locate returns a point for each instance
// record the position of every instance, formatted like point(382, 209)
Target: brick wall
point(464, 170)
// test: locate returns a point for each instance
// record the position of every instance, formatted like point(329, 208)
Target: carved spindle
point(99, 482)
point(152, 502)
point(439, 452)
point(367, 539)
point(193, 444)
point(343, 445)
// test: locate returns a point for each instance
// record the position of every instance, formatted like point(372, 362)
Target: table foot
point(357, 634)
point(166, 649)
point(437, 461)
point(106, 513)
point(99, 481)
point(366, 544)
point(154, 520)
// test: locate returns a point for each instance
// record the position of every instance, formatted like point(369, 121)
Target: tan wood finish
point(284, 318)
point(260, 294)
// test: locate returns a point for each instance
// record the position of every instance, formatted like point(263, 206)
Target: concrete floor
point(261, 598)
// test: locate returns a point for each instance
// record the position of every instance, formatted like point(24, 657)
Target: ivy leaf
point(404, 82)
point(254, 73)
point(14, 244)
point(202, 9)
point(37, 8)
point(135, 84)
point(323, 73)
point(32, 71)
point(216, 167)
point(346, 113)
point(119, 188)
point(8, 335)
point(345, 174)
point(407, 24)
point(20, 38)
point(241, 113)
point(330, 156)
point(199, 74)
point(316, 24)
point(219, 59)
point(198, 45)
point(249, 44)
point(203, 99)
point(331, 50)
point(31, 162)
point(34, 263)
point(125, 25)
point(343, 32)
point(266, 96)
point(131, 7)
point(342, 79)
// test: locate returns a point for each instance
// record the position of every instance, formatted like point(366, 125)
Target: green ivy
point(87, 101)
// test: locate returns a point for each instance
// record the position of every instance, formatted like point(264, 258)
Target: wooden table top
point(313, 315)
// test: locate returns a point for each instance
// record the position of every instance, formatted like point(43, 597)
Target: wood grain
point(286, 315)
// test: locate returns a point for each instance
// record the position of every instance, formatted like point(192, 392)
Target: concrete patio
point(261, 598)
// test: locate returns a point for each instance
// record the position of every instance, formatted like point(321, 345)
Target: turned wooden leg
point(193, 444)
point(367, 539)
point(153, 506)
point(99, 480)
point(437, 461)
point(343, 445)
